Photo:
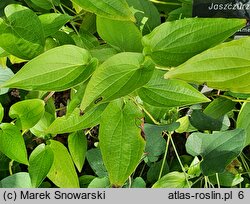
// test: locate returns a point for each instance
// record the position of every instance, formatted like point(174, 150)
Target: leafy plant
point(124, 93)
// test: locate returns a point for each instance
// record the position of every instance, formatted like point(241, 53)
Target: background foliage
point(126, 93)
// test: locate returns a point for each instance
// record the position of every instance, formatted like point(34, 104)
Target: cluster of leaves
point(148, 96)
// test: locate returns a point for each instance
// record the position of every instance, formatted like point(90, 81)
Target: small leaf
point(116, 77)
point(41, 160)
point(18, 180)
point(99, 183)
point(172, 180)
point(77, 143)
point(243, 121)
point(57, 69)
point(160, 92)
point(107, 8)
point(12, 143)
point(5, 74)
point(224, 67)
point(172, 43)
point(120, 139)
point(122, 35)
point(217, 149)
point(27, 112)
point(52, 22)
point(62, 172)
point(138, 183)
point(94, 158)
point(21, 34)
point(75, 121)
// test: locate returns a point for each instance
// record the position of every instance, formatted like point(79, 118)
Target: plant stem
point(10, 167)
point(144, 165)
point(245, 164)
point(49, 96)
point(164, 158)
point(234, 100)
point(218, 180)
point(149, 115)
point(179, 160)
point(166, 3)
point(68, 8)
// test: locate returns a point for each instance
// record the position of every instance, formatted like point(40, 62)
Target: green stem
point(10, 167)
point(234, 100)
point(245, 164)
point(179, 160)
point(218, 180)
point(206, 182)
point(166, 3)
point(144, 165)
point(68, 8)
point(164, 158)
point(149, 115)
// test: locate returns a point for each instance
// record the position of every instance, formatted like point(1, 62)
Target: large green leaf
point(75, 121)
point(18, 180)
point(12, 143)
point(62, 172)
point(21, 34)
point(243, 120)
point(169, 93)
point(122, 35)
point(5, 74)
point(55, 70)
point(107, 8)
point(172, 180)
point(120, 139)
point(217, 149)
point(77, 143)
point(27, 112)
point(116, 77)
point(224, 67)
point(40, 162)
point(146, 14)
point(172, 43)
point(52, 22)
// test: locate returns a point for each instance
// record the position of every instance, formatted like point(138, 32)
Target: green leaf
point(85, 180)
point(172, 180)
point(27, 112)
point(39, 130)
point(146, 14)
point(5, 74)
point(45, 4)
point(243, 121)
point(107, 8)
point(1, 112)
point(18, 180)
point(62, 172)
point(120, 139)
point(217, 149)
point(21, 34)
point(77, 143)
point(116, 77)
point(95, 161)
point(55, 70)
point(194, 169)
point(138, 182)
point(223, 67)
point(219, 107)
point(12, 143)
point(160, 92)
point(122, 35)
point(75, 121)
point(41, 160)
point(155, 143)
point(172, 43)
point(102, 53)
point(203, 122)
point(227, 179)
point(99, 183)
point(52, 22)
